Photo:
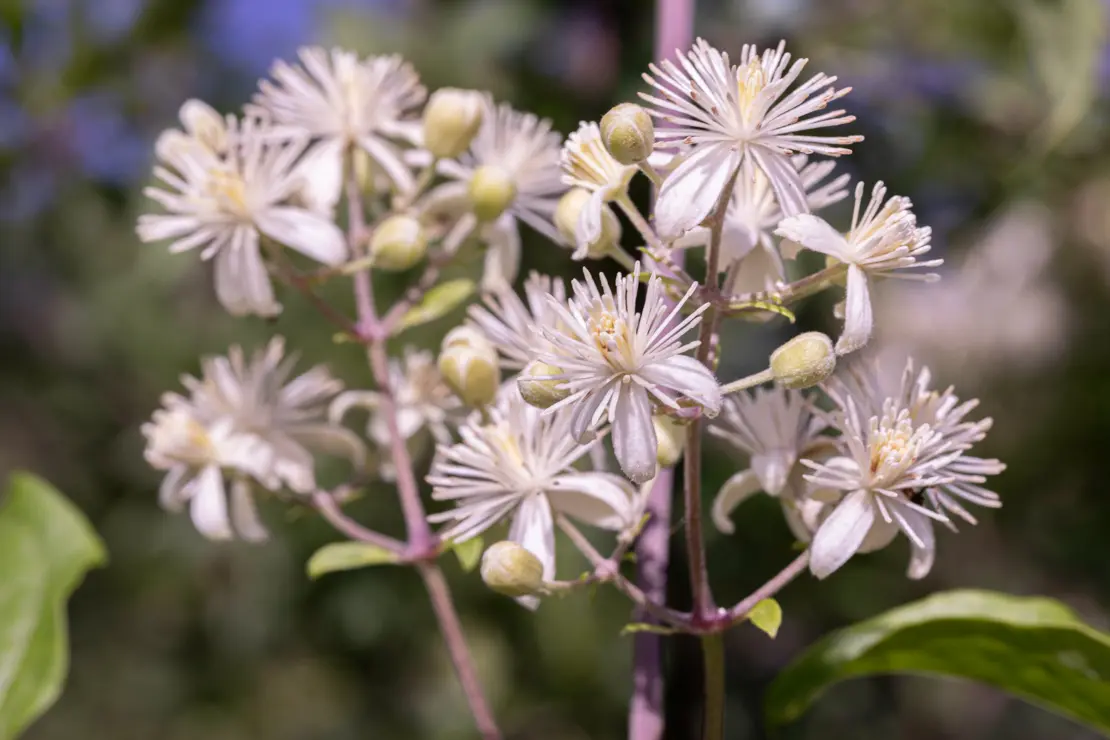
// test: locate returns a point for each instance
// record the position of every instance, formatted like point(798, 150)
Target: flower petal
point(687, 376)
point(242, 284)
point(784, 178)
point(773, 468)
point(922, 553)
point(599, 499)
point(321, 168)
point(502, 254)
point(815, 234)
point(534, 529)
point(244, 515)
point(582, 414)
point(634, 439)
point(858, 320)
point(309, 233)
point(840, 536)
point(690, 192)
point(736, 490)
point(389, 158)
point(208, 506)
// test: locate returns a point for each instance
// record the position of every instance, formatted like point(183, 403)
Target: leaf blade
point(1034, 648)
point(438, 302)
point(767, 616)
point(338, 556)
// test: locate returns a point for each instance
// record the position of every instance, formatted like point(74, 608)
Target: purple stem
point(674, 29)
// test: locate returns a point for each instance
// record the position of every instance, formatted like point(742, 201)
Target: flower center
point(611, 337)
point(181, 437)
point(229, 191)
point(893, 449)
point(750, 81)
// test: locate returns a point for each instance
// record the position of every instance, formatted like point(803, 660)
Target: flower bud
point(568, 213)
point(541, 393)
point(452, 118)
point(628, 133)
point(670, 436)
point(398, 243)
point(804, 361)
point(511, 570)
point(468, 364)
point(491, 191)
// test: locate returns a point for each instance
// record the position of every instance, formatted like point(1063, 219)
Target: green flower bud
point(491, 191)
point(452, 118)
point(670, 435)
point(628, 133)
point(468, 364)
point(511, 570)
point(569, 211)
point(541, 393)
point(804, 361)
point(398, 243)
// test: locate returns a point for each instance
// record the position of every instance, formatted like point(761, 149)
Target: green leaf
point(438, 302)
point(46, 547)
point(767, 616)
point(658, 629)
point(1034, 648)
point(347, 556)
point(469, 553)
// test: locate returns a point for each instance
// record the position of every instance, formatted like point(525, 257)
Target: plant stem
point(713, 657)
point(751, 381)
point(422, 545)
point(325, 504)
point(740, 612)
point(629, 208)
point(451, 628)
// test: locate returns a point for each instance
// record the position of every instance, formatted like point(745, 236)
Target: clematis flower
point(515, 326)
point(588, 164)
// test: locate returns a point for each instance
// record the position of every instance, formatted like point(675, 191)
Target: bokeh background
point(991, 115)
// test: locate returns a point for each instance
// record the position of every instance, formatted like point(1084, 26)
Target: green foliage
point(469, 553)
point(46, 547)
point(767, 616)
point(1033, 648)
point(634, 627)
point(438, 302)
point(347, 556)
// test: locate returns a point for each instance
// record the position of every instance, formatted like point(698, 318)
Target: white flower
point(515, 326)
point(526, 151)
point(342, 102)
point(519, 466)
point(422, 401)
point(900, 469)
point(619, 362)
point(733, 116)
point(588, 164)
point(288, 417)
point(752, 215)
point(776, 428)
point(881, 242)
point(225, 204)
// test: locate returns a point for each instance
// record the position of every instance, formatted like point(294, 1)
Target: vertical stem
point(422, 543)
point(713, 657)
point(674, 29)
point(451, 628)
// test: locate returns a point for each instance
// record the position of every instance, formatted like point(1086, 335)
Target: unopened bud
point(491, 191)
point(541, 393)
point(804, 361)
point(628, 133)
point(670, 436)
point(468, 364)
point(398, 243)
point(362, 166)
point(511, 570)
point(568, 213)
point(452, 118)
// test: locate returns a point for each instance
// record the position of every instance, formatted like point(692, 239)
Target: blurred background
point(990, 115)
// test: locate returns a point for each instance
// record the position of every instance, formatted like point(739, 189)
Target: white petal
point(858, 319)
point(171, 493)
point(881, 535)
point(582, 414)
point(242, 284)
point(923, 555)
point(687, 376)
point(772, 469)
point(736, 490)
point(390, 160)
point(244, 515)
point(321, 168)
point(534, 529)
point(309, 233)
point(841, 535)
point(785, 181)
point(634, 439)
point(208, 507)
point(690, 192)
point(588, 229)
point(815, 234)
point(331, 440)
point(502, 254)
point(596, 498)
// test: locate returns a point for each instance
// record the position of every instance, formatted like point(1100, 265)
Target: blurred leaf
point(438, 302)
point(46, 547)
point(1034, 648)
point(347, 556)
point(658, 629)
point(767, 616)
point(1065, 41)
point(469, 553)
